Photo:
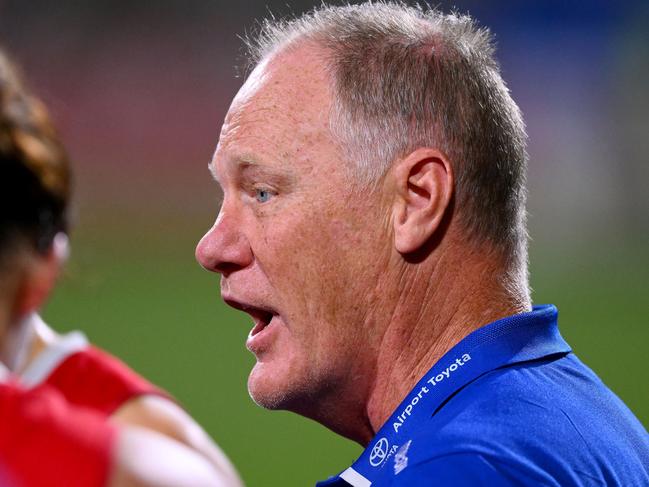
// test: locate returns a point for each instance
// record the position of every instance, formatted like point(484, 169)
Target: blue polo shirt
point(508, 405)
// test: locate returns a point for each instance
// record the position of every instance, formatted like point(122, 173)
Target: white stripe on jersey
point(50, 358)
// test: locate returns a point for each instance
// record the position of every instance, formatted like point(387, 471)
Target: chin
point(267, 386)
point(276, 389)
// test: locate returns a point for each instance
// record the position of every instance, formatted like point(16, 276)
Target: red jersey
point(87, 376)
point(44, 441)
point(95, 379)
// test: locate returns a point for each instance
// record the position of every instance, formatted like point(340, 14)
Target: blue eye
point(263, 195)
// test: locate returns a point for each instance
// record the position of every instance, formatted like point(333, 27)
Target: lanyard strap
point(518, 338)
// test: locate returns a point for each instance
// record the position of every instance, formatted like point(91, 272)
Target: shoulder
point(557, 398)
point(86, 375)
point(534, 422)
point(94, 378)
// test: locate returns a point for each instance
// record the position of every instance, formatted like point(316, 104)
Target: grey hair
point(408, 77)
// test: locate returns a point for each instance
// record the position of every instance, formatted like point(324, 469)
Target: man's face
point(296, 249)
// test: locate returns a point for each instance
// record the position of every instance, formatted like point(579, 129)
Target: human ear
point(39, 277)
point(424, 186)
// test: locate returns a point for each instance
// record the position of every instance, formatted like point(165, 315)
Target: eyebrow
point(247, 163)
point(241, 162)
point(278, 175)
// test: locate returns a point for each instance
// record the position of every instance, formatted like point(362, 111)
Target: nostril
point(226, 268)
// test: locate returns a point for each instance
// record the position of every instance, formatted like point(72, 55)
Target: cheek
point(327, 267)
point(315, 262)
point(293, 246)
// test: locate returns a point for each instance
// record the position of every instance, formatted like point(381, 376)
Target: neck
point(430, 317)
point(23, 341)
point(16, 340)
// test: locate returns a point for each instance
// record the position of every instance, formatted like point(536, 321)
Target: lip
point(260, 340)
point(263, 318)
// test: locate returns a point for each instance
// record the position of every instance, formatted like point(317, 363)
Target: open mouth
point(261, 317)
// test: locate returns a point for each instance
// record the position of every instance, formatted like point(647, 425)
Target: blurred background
point(139, 91)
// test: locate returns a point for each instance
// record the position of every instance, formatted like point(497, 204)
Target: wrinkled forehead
point(284, 102)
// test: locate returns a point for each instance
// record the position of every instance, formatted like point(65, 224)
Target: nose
point(224, 248)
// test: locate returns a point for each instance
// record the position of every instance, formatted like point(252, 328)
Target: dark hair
point(34, 169)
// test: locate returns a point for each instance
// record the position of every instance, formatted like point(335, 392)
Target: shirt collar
point(505, 342)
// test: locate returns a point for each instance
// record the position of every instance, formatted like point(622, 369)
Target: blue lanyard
point(518, 338)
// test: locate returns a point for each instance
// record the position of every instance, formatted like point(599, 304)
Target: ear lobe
point(424, 181)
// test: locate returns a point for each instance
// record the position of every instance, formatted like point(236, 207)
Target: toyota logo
point(379, 452)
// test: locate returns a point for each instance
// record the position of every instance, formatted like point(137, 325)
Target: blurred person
point(34, 196)
point(46, 441)
point(373, 226)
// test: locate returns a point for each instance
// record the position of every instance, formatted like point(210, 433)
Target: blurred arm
point(143, 458)
point(163, 416)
